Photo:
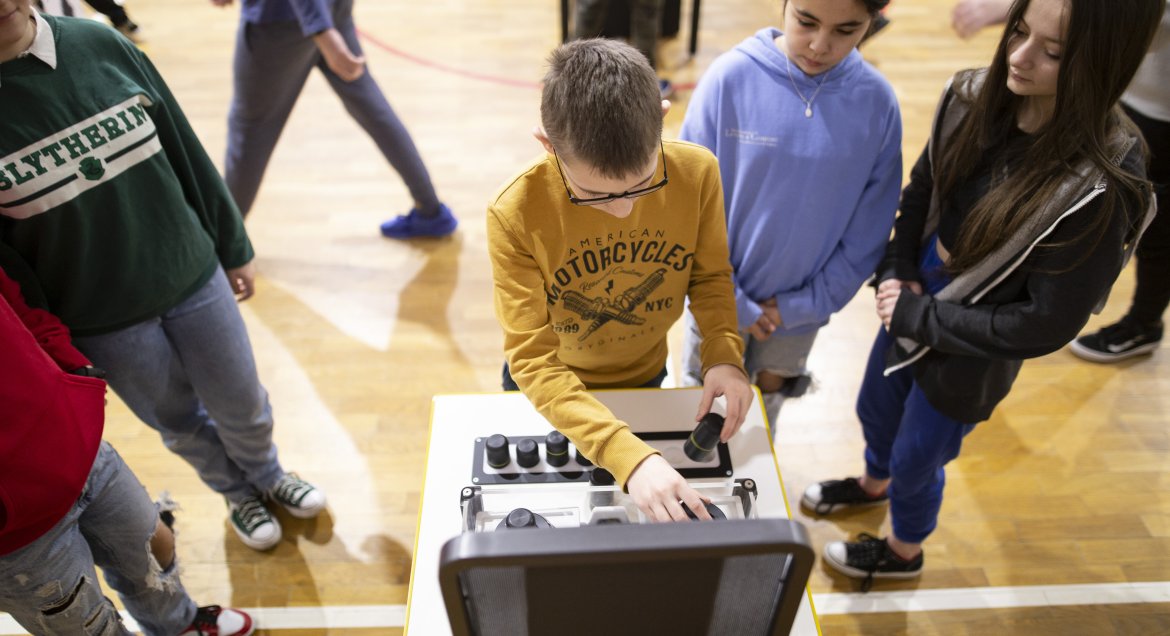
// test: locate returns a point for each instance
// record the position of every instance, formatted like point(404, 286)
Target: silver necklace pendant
point(807, 102)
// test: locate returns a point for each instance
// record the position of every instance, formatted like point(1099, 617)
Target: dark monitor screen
point(742, 577)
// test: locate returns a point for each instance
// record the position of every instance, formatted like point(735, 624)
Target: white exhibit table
point(456, 422)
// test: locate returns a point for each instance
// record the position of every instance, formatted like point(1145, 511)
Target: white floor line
point(993, 597)
point(966, 598)
point(334, 617)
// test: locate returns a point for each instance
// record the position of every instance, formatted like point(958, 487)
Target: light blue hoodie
point(810, 201)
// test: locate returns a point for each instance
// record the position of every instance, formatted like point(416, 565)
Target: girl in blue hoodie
point(809, 138)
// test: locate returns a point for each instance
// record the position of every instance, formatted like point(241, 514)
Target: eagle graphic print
point(605, 280)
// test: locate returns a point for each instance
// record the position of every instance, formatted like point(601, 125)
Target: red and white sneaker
point(214, 620)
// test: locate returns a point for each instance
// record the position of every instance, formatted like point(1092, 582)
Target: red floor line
point(443, 67)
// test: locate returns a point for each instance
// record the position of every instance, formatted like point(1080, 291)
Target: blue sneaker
point(665, 88)
point(415, 225)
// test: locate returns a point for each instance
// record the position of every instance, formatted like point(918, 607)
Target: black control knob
point(527, 453)
point(705, 438)
point(556, 449)
point(523, 518)
point(497, 451)
point(581, 459)
point(715, 512)
point(601, 477)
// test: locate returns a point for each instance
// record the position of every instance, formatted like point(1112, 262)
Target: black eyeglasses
point(630, 194)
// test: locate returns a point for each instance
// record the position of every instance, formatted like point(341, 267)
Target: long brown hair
point(1103, 46)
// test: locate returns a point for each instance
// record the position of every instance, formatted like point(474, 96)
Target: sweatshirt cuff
point(723, 350)
point(747, 311)
point(796, 309)
point(622, 454)
point(238, 257)
point(908, 313)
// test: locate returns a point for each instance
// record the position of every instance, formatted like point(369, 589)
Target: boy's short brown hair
point(601, 105)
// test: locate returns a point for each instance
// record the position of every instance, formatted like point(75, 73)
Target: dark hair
point(601, 105)
point(873, 8)
point(1104, 44)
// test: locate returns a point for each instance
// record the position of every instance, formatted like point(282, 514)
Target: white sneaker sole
point(855, 573)
point(1093, 355)
point(303, 512)
point(259, 546)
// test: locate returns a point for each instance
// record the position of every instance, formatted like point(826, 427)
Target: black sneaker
point(870, 558)
point(830, 496)
point(1123, 339)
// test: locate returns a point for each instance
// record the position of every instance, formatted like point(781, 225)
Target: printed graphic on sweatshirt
point(605, 281)
point(60, 167)
point(751, 137)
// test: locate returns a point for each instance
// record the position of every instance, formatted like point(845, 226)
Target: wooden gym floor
point(1057, 514)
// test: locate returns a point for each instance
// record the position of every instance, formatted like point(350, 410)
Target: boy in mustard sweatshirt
point(595, 248)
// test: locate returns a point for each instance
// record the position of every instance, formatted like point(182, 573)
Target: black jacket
point(967, 343)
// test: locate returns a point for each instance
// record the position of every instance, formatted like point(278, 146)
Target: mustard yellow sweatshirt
point(586, 299)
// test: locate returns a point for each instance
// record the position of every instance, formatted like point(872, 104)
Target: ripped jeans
point(50, 586)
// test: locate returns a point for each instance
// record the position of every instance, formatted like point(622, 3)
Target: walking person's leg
point(364, 101)
point(269, 68)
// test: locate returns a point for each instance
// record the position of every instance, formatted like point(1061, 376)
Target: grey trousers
point(272, 62)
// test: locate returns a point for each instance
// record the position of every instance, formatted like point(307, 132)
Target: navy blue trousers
point(907, 441)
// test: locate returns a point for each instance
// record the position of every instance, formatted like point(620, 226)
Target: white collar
point(43, 47)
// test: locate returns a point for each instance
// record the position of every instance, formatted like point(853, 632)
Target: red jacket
point(50, 420)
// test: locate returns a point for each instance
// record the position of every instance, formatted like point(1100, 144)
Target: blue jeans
point(50, 586)
point(190, 375)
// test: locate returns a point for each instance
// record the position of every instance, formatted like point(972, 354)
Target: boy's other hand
point(243, 281)
point(658, 489)
point(729, 381)
point(221, 3)
point(338, 57)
